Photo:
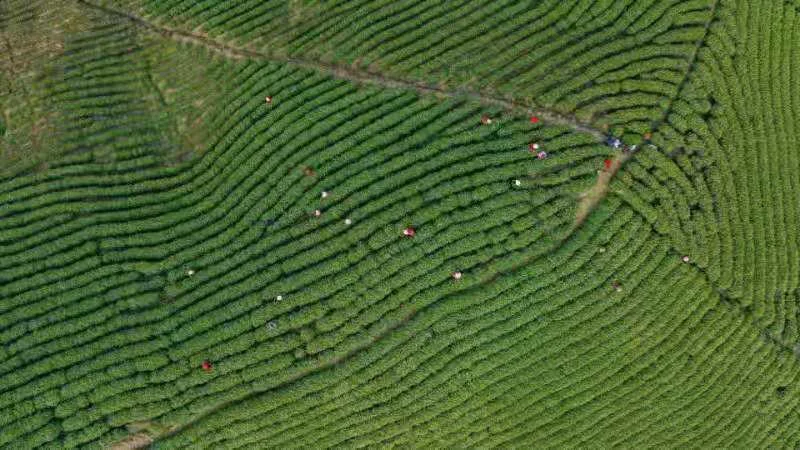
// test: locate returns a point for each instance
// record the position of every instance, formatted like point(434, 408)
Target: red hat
point(409, 231)
point(207, 365)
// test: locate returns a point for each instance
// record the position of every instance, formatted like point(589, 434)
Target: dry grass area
point(31, 38)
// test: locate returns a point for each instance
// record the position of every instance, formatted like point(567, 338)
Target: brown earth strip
point(588, 200)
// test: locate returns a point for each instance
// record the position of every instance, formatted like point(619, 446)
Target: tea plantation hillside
point(414, 224)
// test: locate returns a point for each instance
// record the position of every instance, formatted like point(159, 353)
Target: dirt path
point(589, 199)
point(134, 441)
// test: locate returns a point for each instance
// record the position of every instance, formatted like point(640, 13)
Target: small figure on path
point(517, 183)
point(457, 275)
point(685, 258)
point(541, 155)
point(533, 147)
point(409, 232)
point(268, 100)
point(207, 366)
point(348, 222)
point(309, 171)
point(325, 194)
point(534, 119)
point(613, 142)
point(607, 163)
point(317, 213)
point(486, 120)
